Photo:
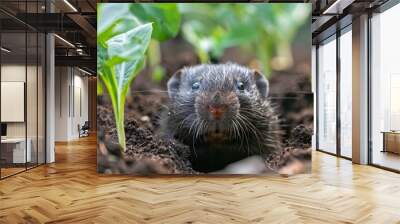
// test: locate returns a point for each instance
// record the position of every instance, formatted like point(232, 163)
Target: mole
point(223, 113)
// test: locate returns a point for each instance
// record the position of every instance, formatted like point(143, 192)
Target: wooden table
point(391, 141)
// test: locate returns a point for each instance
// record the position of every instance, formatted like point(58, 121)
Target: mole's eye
point(196, 85)
point(240, 85)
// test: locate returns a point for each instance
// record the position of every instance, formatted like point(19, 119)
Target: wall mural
point(204, 88)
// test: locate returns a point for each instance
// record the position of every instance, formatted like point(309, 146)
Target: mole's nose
point(217, 111)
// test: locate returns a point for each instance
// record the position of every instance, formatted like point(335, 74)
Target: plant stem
point(121, 134)
point(203, 56)
point(120, 128)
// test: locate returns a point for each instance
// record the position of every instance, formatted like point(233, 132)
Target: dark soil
point(146, 153)
point(294, 99)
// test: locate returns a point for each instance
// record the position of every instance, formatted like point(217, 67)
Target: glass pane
point(346, 94)
point(327, 97)
point(31, 86)
point(13, 86)
point(31, 97)
point(41, 98)
point(385, 89)
point(22, 82)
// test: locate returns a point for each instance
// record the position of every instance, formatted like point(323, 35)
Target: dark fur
point(248, 127)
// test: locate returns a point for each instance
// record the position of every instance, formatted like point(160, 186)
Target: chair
point(84, 130)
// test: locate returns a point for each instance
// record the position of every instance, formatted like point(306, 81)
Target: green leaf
point(101, 57)
point(165, 18)
point(113, 19)
point(126, 50)
point(99, 88)
point(108, 14)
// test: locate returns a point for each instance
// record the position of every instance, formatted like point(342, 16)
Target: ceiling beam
point(86, 27)
point(320, 23)
point(79, 61)
point(337, 7)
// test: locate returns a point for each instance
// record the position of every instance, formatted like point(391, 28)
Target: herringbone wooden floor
point(70, 191)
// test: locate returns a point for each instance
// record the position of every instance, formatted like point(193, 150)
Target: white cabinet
point(18, 149)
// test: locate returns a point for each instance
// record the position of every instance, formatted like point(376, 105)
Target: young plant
point(120, 60)
point(123, 36)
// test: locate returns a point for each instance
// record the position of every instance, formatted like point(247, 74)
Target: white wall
point(61, 103)
point(16, 73)
point(71, 94)
point(80, 100)
point(12, 73)
point(33, 126)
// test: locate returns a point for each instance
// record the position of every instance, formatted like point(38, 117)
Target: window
point(327, 96)
point(346, 92)
point(385, 89)
point(22, 101)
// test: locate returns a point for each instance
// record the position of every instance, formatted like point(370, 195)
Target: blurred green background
point(264, 33)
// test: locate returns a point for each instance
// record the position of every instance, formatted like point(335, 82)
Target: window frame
point(333, 37)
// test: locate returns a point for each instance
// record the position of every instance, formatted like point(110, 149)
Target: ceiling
point(74, 22)
point(330, 15)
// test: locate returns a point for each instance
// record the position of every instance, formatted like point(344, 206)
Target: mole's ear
point(173, 84)
point(261, 83)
